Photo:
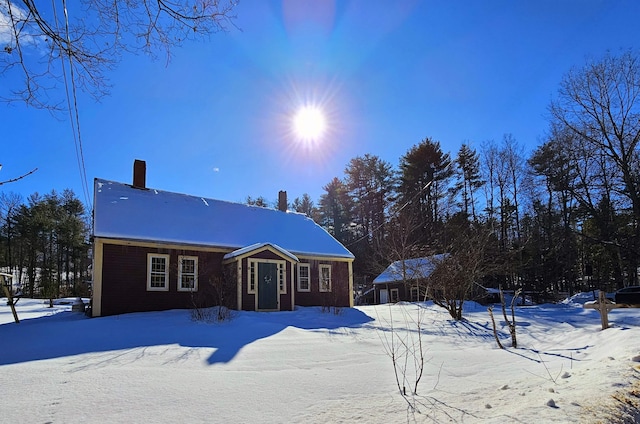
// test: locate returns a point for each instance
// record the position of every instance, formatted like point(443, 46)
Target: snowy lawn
point(57, 366)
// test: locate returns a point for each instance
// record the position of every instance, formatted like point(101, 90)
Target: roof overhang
point(259, 247)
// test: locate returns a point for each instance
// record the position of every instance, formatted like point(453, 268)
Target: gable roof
point(258, 247)
point(124, 212)
point(413, 269)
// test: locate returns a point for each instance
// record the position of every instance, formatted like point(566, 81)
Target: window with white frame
point(187, 273)
point(415, 294)
point(253, 277)
point(395, 297)
point(252, 284)
point(325, 278)
point(157, 272)
point(281, 282)
point(304, 277)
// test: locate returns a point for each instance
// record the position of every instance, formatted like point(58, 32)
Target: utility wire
point(73, 108)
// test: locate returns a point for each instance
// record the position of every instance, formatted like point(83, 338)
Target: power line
point(74, 115)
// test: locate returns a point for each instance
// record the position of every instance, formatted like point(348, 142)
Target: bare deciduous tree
point(452, 281)
point(511, 323)
point(42, 44)
point(597, 118)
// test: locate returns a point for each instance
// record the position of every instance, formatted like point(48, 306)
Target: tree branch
point(13, 180)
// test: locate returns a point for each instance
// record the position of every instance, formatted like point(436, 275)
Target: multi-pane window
point(252, 284)
point(158, 272)
point(304, 273)
point(253, 277)
point(188, 273)
point(281, 283)
point(415, 294)
point(394, 296)
point(325, 278)
point(418, 294)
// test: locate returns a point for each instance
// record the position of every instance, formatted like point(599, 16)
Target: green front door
point(267, 286)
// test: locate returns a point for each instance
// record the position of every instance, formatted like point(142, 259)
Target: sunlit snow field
point(311, 366)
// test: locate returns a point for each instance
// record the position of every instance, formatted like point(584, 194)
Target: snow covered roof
point(411, 268)
point(258, 246)
point(124, 212)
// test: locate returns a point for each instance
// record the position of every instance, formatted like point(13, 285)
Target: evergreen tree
point(370, 182)
point(49, 244)
point(335, 211)
point(304, 205)
point(425, 175)
point(469, 178)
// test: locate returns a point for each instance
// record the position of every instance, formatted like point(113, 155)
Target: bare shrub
point(405, 348)
point(214, 292)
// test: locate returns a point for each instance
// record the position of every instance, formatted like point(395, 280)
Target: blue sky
point(216, 122)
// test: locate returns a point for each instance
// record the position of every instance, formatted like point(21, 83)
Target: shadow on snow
point(71, 333)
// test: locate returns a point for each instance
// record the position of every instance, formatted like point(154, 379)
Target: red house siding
point(124, 280)
point(338, 296)
point(124, 273)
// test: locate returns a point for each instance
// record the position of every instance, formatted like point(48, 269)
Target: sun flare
point(309, 123)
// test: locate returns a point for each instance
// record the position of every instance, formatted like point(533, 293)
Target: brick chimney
point(139, 174)
point(282, 201)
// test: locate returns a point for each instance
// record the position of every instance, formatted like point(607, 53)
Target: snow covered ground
point(310, 366)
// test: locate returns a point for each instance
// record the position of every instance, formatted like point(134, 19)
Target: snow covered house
point(157, 250)
point(404, 280)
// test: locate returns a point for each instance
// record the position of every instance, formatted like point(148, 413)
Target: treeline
point(44, 242)
point(563, 217)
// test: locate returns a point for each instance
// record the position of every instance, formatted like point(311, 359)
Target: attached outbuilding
point(156, 250)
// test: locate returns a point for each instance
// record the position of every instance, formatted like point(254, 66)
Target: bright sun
point(309, 123)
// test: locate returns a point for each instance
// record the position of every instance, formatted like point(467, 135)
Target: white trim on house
point(292, 286)
point(239, 284)
point(282, 277)
point(181, 273)
point(157, 273)
point(414, 294)
point(324, 281)
point(252, 276)
point(394, 295)
point(351, 292)
point(282, 270)
point(300, 277)
point(96, 269)
point(252, 279)
point(254, 248)
point(163, 245)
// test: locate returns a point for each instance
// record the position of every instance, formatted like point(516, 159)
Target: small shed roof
point(409, 269)
point(124, 212)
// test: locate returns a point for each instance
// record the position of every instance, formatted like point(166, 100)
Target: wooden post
point(604, 305)
point(9, 292)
